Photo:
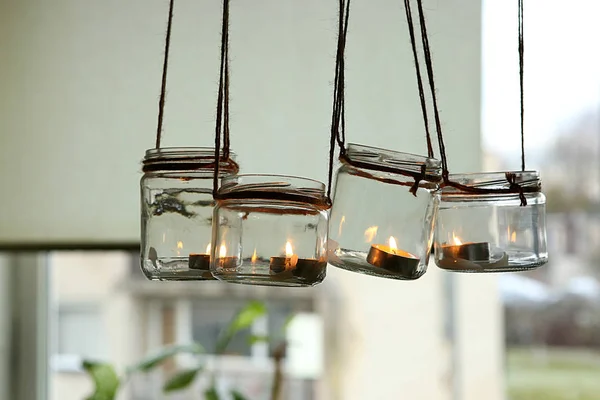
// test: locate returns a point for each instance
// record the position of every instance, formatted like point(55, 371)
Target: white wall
point(80, 84)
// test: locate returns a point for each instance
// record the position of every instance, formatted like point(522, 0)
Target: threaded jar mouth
point(187, 159)
point(273, 187)
point(528, 181)
point(394, 162)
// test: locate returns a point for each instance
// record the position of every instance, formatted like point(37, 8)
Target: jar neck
point(277, 188)
point(188, 159)
point(392, 162)
point(494, 182)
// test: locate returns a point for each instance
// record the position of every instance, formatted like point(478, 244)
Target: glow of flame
point(223, 251)
point(370, 233)
point(180, 244)
point(456, 240)
point(513, 237)
point(289, 251)
point(341, 224)
point(208, 249)
point(254, 257)
point(291, 259)
point(393, 244)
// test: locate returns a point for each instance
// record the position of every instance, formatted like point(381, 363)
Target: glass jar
point(176, 206)
point(270, 230)
point(378, 227)
point(491, 232)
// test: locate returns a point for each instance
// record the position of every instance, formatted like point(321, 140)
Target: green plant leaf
point(211, 394)
point(242, 320)
point(253, 339)
point(166, 353)
point(287, 322)
point(106, 381)
point(237, 395)
point(246, 316)
point(181, 380)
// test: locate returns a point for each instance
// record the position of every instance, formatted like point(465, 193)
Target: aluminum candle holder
point(491, 232)
point(270, 230)
point(378, 227)
point(177, 208)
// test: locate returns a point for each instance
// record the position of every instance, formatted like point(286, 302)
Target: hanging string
point(431, 81)
point(338, 113)
point(413, 42)
point(222, 121)
point(522, 90)
point(163, 87)
point(511, 178)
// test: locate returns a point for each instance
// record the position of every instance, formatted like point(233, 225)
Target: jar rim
point(529, 180)
point(180, 151)
point(187, 159)
point(392, 161)
point(273, 187)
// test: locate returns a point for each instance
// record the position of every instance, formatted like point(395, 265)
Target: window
point(80, 335)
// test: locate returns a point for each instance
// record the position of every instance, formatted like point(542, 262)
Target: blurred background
point(79, 84)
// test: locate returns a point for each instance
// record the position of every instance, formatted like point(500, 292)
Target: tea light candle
point(467, 251)
point(391, 258)
point(224, 261)
point(281, 264)
point(309, 268)
point(200, 261)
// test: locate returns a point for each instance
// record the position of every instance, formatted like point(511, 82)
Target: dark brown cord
point(522, 89)
point(338, 112)
point(163, 87)
point(413, 43)
point(222, 120)
point(430, 78)
point(338, 115)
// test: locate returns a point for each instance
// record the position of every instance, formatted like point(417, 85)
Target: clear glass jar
point(270, 230)
point(491, 232)
point(378, 227)
point(176, 206)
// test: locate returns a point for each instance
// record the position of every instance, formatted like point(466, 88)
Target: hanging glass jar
point(492, 231)
point(270, 230)
point(177, 208)
point(378, 227)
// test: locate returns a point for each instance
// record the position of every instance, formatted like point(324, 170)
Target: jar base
point(174, 270)
point(283, 280)
point(356, 261)
point(510, 262)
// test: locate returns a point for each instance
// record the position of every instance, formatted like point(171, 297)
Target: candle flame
point(180, 244)
point(370, 233)
point(456, 240)
point(254, 257)
point(223, 251)
point(393, 244)
point(208, 249)
point(289, 251)
point(513, 237)
point(291, 259)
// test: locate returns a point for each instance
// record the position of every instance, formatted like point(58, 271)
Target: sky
point(562, 70)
